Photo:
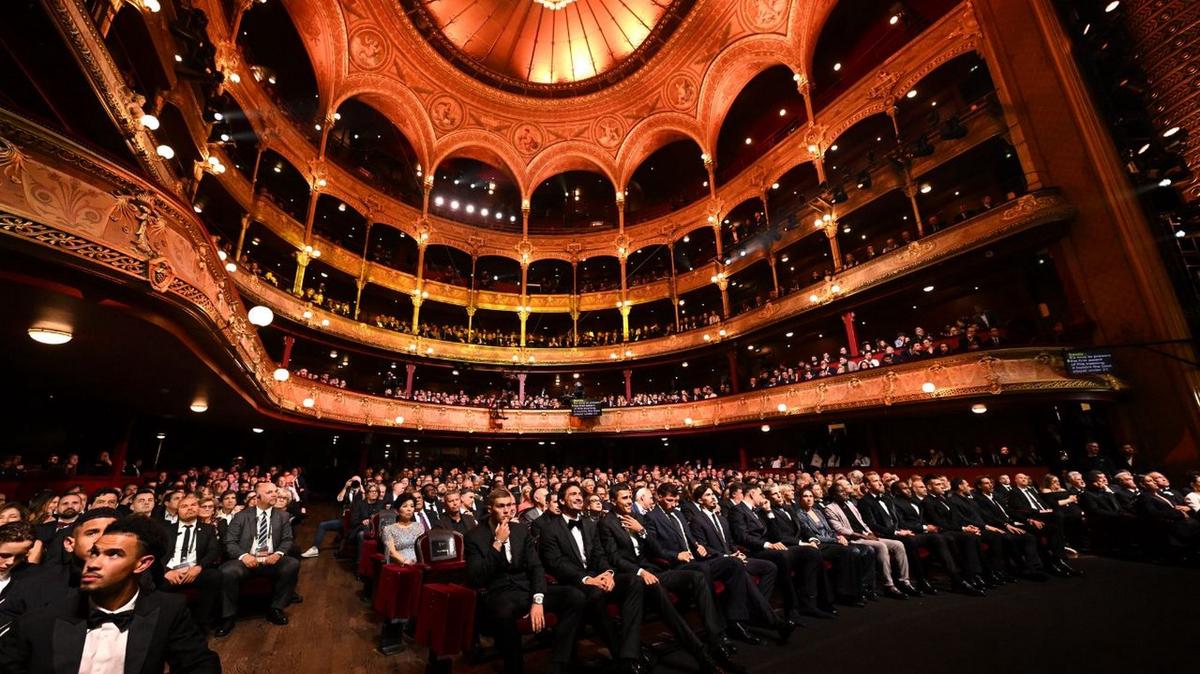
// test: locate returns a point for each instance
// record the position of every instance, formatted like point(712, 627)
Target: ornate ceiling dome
point(547, 47)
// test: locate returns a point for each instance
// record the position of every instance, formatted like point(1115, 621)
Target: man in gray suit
point(257, 541)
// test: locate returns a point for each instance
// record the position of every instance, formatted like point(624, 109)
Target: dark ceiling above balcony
point(547, 47)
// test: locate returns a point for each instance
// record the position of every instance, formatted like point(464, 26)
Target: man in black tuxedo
point(1027, 506)
point(110, 623)
point(1111, 525)
point(502, 560)
point(941, 517)
point(257, 541)
point(1019, 543)
point(16, 540)
point(1166, 517)
point(571, 552)
point(455, 519)
point(793, 528)
point(878, 509)
point(808, 592)
point(744, 601)
point(430, 504)
point(51, 534)
point(1127, 491)
point(909, 518)
point(632, 550)
point(50, 581)
point(191, 560)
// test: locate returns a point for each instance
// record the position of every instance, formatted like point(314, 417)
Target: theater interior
point(466, 250)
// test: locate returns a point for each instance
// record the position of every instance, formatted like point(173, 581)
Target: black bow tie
point(573, 524)
point(121, 619)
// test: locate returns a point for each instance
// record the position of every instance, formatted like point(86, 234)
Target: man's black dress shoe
point(908, 589)
point(224, 628)
point(785, 629)
point(894, 593)
point(927, 587)
point(276, 617)
point(963, 587)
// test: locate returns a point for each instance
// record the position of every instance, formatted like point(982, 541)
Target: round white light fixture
point(928, 387)
point(399, 420)
point(260, 316)
point(782, 407)
point(308, 402)
point(979, 408)
point(199, 407)
point(688, 420)
point(256, 430)
point(230, 267)
point(165, 151)
point(149, 121)
point(282, 374)
point(51, 336)
point(928, 289)
point(152, 5)
point(765, 428)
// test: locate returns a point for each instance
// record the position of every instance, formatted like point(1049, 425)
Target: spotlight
point(256, 430)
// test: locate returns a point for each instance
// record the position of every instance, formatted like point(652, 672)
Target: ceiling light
point(774, 186)
point(928, 289)
point(400, 420)
point(165, 151)
point(308, 402)
point(928, 387)
point(1170, 132)
point(894, 20)
point(782, 112)
point(51, 336)
point(912, 93)
point(1112, 6)
point(260, 316)
point(837, 67)
point(256, 430)
point(782, 407)
point(149, 121)
point(748, 141)
point(161, 436)
point(1179, 234)
point(765, 428)
point(684, 364)
point(979, 408)
point(281, 374)
point(926, 188)
point(789, 335)
point(454, 205)
point(230, 267)
point(152, 5)
point(235, 78)
point(1165, 182)
point(199, 407)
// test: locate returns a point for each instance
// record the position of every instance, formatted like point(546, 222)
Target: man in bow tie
point(111, 625)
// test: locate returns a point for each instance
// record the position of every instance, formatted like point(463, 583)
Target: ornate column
point(241, 242)
point(835, 250)
point(409, 370)
point(710, 169)
point(624, 306)
point(525, 218)
point(891, 113)
point(521, 388)
point(418, 297)
point(620, 211)
point(471, 318)
point(731, 358)
point(302, 259)
point(714, 221)
point(910, 191)
point(523, 314)
point(674, 284)
point(818, 159)
point(851, 333)
point(575, 300)
point(361, 282)
point(722, 282)
point(628, 385)
point(774, 272)
point(805, 90)
point(326, 127)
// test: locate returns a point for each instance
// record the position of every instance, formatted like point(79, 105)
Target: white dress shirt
point(270, 546)
point(104, 646)
point(577, 534)
point(182, 558)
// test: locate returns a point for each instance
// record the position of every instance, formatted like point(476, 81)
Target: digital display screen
point(1089, 362)
point(581, 407)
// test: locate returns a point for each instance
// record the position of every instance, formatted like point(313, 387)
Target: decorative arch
point(484, 146)
point(395, 102)
point(804, 28)
point(323, 29)
point(571, 155)
point(651, 134)
point(732, 70)
point(953, 51)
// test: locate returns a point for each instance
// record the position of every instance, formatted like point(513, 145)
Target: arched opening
point(861, 34)
point(601, 328)
point(751, 287)
point(651, 319)
point(498, 274)
point(602, 272)
point(669, 179)
point(980, 179)
point(439, 320)
point(768, 109)
point(366, 143)
point(550, 277)
point(173, 131)
point(284, 185)
point(329, 288)
point(548, 330)
point(647, 265)
point(220, 212)
point(741, 225)
point(852, 160)
point(700, 308)
point(695, 249)
point(803, 263)
point(448, 264)
point(944, 97)
point(471, 191)
point(883, 225)
point(385, 308)
point(789, 198)
point(392, 248)
point(132, 48)
point(576, 201)
point(269, 257)
point(337, 221)
point(269, 40)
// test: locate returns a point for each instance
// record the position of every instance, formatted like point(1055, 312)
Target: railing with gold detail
point(1025, 213)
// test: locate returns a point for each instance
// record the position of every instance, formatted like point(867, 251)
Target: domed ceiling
point(547, 47)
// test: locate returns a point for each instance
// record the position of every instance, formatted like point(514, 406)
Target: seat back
point(440, 545)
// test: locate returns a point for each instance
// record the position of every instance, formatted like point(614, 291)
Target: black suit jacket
point(1020, 507)
point(208, 548)
point(879, 512)
point(50, 640)
point(665, 530)
point(748, 530)
point(783, 527)
point(1153, 507)
point(465, 523)
point(995, 513)
point(968, 511)
point(1127, 497)
point(618, 546)
point(909, 515)
point(705, 534)
point(1100, 503)
point(490, 570)
point(940, 513)
point(560, 554)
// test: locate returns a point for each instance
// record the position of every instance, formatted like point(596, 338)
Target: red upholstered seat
point(369, 558)
point(447, 619)
point(397, 591)
point(439, 567)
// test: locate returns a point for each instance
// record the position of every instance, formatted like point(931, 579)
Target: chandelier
point(554, 4)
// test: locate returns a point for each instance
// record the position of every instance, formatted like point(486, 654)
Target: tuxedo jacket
point(560, 554)
point(1151, 506)
point(995, 513)
point(909, 514)
point(667, 534)
point(50, 640)
point(939, 512)
point(1127, 497)
point(783, 527)
point(35, 587)
point(1100, 502)
point(490, 570)
point(243, 528)
point(531, 514)
point(618, 546)
point(879, 512)
point(749, 530)
point(967, 510)
point(1019, 506)
point(707, 535)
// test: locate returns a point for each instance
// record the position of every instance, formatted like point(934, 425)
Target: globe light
point(928, 387)
point(281, 374)
point(260, 316)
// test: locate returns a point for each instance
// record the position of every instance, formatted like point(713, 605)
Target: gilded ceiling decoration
point(547, 47)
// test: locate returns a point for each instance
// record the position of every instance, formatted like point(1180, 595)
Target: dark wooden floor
point(1122, 617)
